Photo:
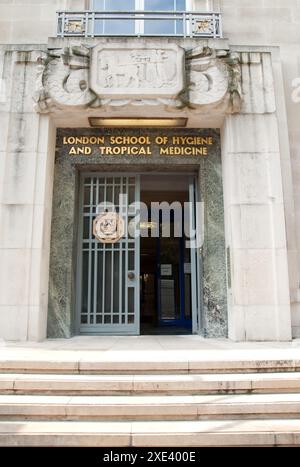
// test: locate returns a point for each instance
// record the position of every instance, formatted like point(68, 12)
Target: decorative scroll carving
point(213, 79)
point(63, 79)
point(137, 74)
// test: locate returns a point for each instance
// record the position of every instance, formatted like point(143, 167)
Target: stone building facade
point(240, 89)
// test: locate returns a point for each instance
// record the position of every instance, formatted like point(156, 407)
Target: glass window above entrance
point(152, 25)
point(150, 5)
point(164, 26)
point(114, 26)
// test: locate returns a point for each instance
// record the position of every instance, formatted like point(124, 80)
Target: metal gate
point(107, 273)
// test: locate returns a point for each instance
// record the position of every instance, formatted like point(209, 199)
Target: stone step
point(158, 433)
point(100, 408)
point(144, 366)
point(149, 384)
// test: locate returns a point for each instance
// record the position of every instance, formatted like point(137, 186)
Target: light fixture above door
point(137, 122)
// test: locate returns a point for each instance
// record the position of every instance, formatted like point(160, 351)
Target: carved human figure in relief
point(161, 67)
point(161, 71)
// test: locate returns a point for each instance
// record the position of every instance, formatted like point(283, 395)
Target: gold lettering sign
point(139, 145)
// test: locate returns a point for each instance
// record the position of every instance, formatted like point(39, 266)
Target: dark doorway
point(165, 266)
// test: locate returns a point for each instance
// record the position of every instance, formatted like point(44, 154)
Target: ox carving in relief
point(121, 71)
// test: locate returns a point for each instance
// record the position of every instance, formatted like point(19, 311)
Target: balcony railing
point(139, 23)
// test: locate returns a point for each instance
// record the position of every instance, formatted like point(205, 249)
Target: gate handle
point(131, 276)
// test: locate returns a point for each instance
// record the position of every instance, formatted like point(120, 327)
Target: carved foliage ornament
point(117, 74)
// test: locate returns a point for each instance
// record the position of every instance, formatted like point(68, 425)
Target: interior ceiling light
point(137, 122)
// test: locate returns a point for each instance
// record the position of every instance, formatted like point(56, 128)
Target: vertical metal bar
point(214, 26)
point(86, 32)
point(193, 255)
point(191, 24)
point(57, 24)
point(96, 257)
point(112, 262)
point(184, 24)
point(103, 259)
point(90, 251)
point(103, 20)
point(137, 264)
point(220, 26)
point(126, 253)
point(120, 258)
point(93, 24)
point(63, 24)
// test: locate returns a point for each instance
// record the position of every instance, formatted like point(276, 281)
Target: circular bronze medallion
point(108, 227)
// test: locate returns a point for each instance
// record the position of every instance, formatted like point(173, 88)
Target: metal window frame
point(139, 25)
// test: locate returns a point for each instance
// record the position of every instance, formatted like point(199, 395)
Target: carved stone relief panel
point(120, 70)
point(122, 74)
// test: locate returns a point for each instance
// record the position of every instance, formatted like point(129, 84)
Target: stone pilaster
point(25, 203)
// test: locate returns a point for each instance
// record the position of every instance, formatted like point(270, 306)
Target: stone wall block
point(13, 322)
point(14, 285)
point(19, 181)
point(257, 83)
